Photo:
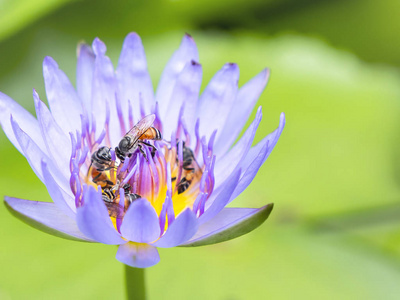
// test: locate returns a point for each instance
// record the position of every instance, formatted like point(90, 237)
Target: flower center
point(169, 171)
point(170, 175)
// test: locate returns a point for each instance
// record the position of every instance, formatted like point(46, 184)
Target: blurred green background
point(334, 176)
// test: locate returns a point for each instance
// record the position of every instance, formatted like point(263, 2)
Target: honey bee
point(135, 137)
point(115, 209)
point(190, 169)
point(101, 162)
point(129, 197)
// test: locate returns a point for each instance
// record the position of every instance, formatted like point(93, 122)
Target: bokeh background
point(334, 176)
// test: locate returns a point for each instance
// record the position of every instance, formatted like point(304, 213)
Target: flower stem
point(135, 285)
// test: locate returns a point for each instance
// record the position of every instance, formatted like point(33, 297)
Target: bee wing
point(115, 210)
point(136, 131)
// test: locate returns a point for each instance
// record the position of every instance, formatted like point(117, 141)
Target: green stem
point(135, 285)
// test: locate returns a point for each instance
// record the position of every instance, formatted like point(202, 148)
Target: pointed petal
point(185, 92)
point(63, 200)
point(185, 54)
point(94, 222)
point(272, 138)
point(84, 75)
point(217, 99)
point(181, 230)
point(104, 91)
point(138, 255)
point(256, 157)
point(230, 223)
point(46, 217)
point(27, 122)
point(250, 172)
point(229, 162)
point(64, 102)
point(240, 112)
point(220, 201)
point(35, 156)
point(57, 142)
point(133, 78)
point(140, 223)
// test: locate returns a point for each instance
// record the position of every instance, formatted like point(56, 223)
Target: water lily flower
point(174, 191)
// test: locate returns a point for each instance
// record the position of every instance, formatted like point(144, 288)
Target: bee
point(101, 162)
point(115, 209)
point(129, 197)
point(190, 169)
point(135, 137)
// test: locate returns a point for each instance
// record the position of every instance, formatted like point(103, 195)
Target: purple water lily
point(170, 192)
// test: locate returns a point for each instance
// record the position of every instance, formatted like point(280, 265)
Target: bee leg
point(153, 148)
point(127, 188)
point(153, 152)
point(142, 151)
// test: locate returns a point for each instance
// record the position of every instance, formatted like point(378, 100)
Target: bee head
point(125, 144)
point(104, 155)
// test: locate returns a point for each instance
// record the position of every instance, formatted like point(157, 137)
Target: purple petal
point(229, 162)
point(256, 157)
point(138, 255)
point(104, 91)
point(186, 92)
point(221, 200)
point(217, 99)
point(186, 53)
point(57, 142)
point(27, 122)
point(140, 223)
point(35, 156)
point(249, 174)
point(64, 102)
point(46, 217)
point(272, 138)
point(230, 223)
point(133, 78)
point(63, 200)
point(241, 110)
point(94, 222)
point(84, 76)
point(181, 230)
